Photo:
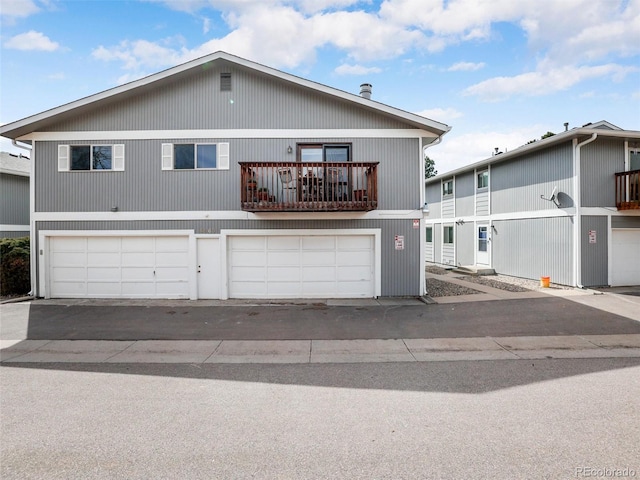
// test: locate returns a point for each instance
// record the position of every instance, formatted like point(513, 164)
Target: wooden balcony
point(628, 190)
point(308, 186)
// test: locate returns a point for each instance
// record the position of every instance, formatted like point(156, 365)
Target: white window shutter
point(167, 156)
point(223, 156)
point(118, 158)
point(63, 158)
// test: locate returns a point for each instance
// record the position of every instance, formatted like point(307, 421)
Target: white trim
point(232, 134)
point(568, 212)
point(14, 228)
point(17, 173)
point(33, 254)
point(375, 232)
point(609, 250)
point(223, 215)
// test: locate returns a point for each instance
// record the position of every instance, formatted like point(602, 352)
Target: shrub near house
point(14, 266)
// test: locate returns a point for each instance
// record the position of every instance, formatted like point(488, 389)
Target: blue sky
point(500, 72)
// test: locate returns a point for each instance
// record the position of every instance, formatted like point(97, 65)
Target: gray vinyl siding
point(144, 186)
point(517, 185)
point(531, 248)
point(448, 204)
point(600, 160)
point(482, 202)
point(20, 234)
point(594, 255)
point(622, 221)
point(193, 100)
point(400, 270)
point(14, 200)
point(465, 244)
point(464, 189)
point(432, 197)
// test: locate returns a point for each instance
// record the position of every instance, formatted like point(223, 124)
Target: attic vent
point(225, 82)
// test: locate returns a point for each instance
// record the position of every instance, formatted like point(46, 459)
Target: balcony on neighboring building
point(628, 190)
point(309, 186)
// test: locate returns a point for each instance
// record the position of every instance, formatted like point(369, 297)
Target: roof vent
point(566, 126)
point(225, 82)
point(365, 90)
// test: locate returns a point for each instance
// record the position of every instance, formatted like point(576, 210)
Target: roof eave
point(547, 142)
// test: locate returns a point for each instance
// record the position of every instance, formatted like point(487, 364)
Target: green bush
point(14, 266)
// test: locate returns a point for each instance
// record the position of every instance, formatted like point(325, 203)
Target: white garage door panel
point(113, 267)
point(626, 257)
point(302, 266)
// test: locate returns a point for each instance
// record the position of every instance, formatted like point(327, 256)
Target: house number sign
point(592, 236)
point(399, 242)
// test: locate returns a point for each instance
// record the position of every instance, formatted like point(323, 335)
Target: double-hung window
point(447, 234)
point(447, 187)
point(90, 157)
point(483, 179)
point(195, 156)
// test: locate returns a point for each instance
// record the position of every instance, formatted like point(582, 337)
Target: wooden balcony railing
point(308, 186)
point(628, 190)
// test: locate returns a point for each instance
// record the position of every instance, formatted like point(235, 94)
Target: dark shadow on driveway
point(521, 317)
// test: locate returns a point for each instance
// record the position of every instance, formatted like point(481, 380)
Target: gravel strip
point(490, 282)
point(439, 288)
point(436, 270)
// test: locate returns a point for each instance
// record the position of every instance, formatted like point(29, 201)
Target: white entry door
point(482, 244)
point(208, 268)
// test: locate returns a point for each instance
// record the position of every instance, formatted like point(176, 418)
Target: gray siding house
point(224, 178)
point(14, 195)
point(567, 207)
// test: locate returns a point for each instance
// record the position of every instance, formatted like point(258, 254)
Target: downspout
point(577, 237)
point(422, 257)
point(33, 258)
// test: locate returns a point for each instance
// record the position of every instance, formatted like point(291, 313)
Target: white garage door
point(113, 267)
point(625, 247)
point(336, 266)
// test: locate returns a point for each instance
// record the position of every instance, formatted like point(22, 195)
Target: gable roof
point(601, 129)
point(39, 121)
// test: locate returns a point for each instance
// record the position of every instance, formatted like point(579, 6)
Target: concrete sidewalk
point(491, 325)
point(322, 351)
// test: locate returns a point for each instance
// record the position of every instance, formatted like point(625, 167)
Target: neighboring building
point(567, 207)
point(223, 178)
point(14, 195)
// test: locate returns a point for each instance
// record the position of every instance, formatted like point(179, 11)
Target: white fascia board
point(222, 215)
point(227, 134)
point(18, 173)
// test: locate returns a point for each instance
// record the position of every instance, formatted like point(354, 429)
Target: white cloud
point(345, 69)
point(460, 150)
point(31, 40)
point(543, 82)
point(441, 114)
point(18, 8)
point(466, 67)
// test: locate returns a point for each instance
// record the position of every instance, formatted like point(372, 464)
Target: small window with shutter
point(90, 158)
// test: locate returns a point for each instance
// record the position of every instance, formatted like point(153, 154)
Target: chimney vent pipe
point(365, 90)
